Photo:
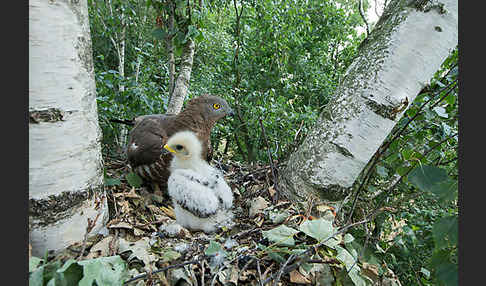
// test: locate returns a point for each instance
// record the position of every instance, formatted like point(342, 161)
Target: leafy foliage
point(279, 62)
point(281, 235)
point(102, 271)
point(414, 176)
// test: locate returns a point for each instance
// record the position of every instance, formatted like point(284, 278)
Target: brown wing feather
point(151, 132)
point(146, 141)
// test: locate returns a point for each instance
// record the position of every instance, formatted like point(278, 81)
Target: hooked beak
point(231, 112)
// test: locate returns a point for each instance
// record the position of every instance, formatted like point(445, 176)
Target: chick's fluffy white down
point(201, 202)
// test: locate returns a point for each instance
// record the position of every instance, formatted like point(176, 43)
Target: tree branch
point(361, 12)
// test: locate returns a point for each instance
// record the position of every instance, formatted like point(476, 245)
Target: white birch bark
point(405, 49)
point(170, 49)
point(65, 163)
point(140, 43)
point(181, 86)
point(119, 44)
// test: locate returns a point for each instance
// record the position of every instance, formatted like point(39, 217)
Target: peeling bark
point(181, 86)
point(65, 163)
point(394, 63)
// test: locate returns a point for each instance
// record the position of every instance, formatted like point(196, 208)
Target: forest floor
point(263, 247)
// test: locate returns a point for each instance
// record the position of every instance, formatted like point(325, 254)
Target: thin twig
point(379, 204)
point(385, 146)
point(280, 271)
point(444, 96)
point(220, 269)
point(313, 248)
point(363, 249)
point(89, 227)
point(196, 261)
point(112, 245)
point(202, 272)
point(361, 12)
point(275, 185)
point(259, 273)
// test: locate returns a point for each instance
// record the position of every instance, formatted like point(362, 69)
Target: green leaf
point(50, 271)
point(447, 274)
point(345, 257)
point(407, 154)
point(34, 263)
point(134, 180)
point(402, 170)
point(319, 229)
point(451, 98)
point(382, 171)
point(348, 238)
point(276, 257)
point(69, 274)
point(169, 255)
point(37, 277)
point(213, 248)
point(281, 235)
point(441, 111)
point(439, 257)
point(107, 271)
point(425, 177)
point(446, 191)
point(348, 260)
point(445, 232)
point(159, 34)
point(425, 272)
point(112, 182)
point(356, 277)
point(435, 180)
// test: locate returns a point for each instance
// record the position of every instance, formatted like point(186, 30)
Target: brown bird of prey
point(146, 153)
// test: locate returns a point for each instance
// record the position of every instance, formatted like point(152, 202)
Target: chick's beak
point(231, 112)
point(167, 149)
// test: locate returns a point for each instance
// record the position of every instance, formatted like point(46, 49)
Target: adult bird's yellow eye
point(216, 106)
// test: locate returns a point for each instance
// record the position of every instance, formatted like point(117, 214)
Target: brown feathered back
point(151, 132)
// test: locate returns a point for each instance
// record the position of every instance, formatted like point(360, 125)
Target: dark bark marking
point(47, 115)
point(343, 150)
point(56, 207)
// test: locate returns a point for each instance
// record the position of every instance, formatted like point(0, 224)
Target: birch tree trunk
point(170, 49)
point(402, 53)
point(120, 48)
point(140, 43)
point(182, 83)
point(65, 163)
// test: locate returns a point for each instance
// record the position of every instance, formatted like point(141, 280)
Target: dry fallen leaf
point(140, 250)
point(323, 208)
point(271, 191)
point(169, 211)
point(370, 271)
point(132, 194)
point(245, 275)
point(138, 232)
point(259, 220)
point(155, 209)
point(100, 249)
point(257, 205)
point(121, 224)
point(125, 206)
point(297, 277)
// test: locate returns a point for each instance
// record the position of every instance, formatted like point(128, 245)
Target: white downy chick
point(201, 197)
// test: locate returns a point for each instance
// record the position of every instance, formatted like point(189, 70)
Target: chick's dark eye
point(178, 147)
